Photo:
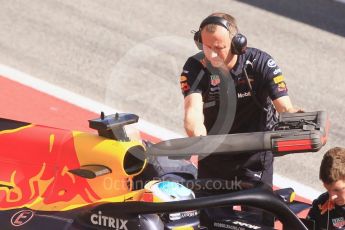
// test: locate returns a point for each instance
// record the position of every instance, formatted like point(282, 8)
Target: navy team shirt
point(267, 83)
point(324, 212)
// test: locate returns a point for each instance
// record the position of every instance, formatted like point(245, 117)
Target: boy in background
point(328, 210)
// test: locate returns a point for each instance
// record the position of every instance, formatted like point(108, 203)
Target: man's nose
point(333, 196)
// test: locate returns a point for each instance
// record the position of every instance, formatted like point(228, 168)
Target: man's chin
point(339, 203)
point(217, 64)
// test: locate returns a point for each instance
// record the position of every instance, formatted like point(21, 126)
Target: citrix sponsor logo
point(110, 222)
point(242, 95)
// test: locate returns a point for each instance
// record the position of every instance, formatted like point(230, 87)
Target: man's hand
point(295, 110)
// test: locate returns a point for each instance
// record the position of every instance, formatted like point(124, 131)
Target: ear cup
point(238, 44)
point(197, 39)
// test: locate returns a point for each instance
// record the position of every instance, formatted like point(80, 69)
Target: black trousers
point(256, 166)
point(247, 167)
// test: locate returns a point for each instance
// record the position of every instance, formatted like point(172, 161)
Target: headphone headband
point(238, 42)
point(215, 20)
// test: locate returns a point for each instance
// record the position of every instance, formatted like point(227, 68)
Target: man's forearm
point(194, 124)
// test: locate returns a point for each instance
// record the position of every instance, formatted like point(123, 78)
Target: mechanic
point(328, 210)
point(258, 87)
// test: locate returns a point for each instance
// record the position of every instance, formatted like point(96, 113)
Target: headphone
point(238, 42)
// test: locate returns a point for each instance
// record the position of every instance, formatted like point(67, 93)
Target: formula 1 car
point(53, 178)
